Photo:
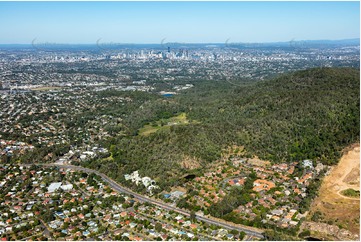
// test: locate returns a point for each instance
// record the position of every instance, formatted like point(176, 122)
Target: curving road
point(249, 231)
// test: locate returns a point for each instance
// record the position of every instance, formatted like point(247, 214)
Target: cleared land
point(181, 119)
point(342, 210)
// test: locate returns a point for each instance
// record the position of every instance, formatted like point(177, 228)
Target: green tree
point(158, 227)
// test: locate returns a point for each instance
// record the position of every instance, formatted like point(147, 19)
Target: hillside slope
point(310, 114)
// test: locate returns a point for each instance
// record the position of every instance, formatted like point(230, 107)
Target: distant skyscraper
point(168, 49)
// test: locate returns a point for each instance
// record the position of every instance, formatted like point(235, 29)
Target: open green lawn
point(181, 119)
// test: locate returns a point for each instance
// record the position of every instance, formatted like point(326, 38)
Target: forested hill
point(310, 114)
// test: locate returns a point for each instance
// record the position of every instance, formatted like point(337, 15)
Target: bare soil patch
point(353, 177)
point(190, 163)
point(341, 210)
point(258, 162)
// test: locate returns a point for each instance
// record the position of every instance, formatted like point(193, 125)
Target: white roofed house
point(147, 181)
point(67, 187)
point(134, 177)
point(307, 163)
point(54, 186)
point(277, 212)
point(177, 194)
point(152, 187)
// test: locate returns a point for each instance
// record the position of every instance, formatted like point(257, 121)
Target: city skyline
point(180, 22)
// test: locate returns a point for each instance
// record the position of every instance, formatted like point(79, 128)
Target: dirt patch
point(181, 189)
point(190, 163)
point(353, 177)
point(336, 208)
point(258, 162)
point(329, 232)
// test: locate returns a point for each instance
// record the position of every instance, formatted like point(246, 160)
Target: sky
point(179, 22)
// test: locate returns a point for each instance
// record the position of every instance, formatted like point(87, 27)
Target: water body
point(167, 95)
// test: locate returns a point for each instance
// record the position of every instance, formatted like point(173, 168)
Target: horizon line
point(229, 40)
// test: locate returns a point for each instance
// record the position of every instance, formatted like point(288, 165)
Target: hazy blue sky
point(190, 22)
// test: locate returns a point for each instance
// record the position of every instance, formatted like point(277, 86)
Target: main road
point(248, 230)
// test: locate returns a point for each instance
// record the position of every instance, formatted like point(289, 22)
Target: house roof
point(53, 186)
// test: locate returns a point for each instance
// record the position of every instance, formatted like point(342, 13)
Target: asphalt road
point(144, 198)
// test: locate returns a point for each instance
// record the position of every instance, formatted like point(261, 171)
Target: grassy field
point(162, 124)
point(350, 193)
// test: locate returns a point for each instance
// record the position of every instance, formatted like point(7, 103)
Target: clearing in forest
point(181, 119)
point(331, 202)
